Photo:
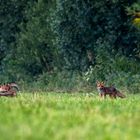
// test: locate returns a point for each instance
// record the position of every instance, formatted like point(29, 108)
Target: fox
point(111, 91)
point(9, 89)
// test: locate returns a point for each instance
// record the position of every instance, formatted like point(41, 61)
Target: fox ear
point(97, 82)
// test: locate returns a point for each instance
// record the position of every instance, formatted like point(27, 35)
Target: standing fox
point(111, 91)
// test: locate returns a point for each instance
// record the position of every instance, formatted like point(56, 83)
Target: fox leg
point(115, 96)
point(102, 95)
point(112, 96)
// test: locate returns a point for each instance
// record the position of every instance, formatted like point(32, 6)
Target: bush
point(119, 71)
point(62, 81)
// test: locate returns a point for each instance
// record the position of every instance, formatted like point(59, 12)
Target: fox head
point(100, 87)
point(100, 84)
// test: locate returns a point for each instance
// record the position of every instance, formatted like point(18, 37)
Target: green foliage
point(35, 41)
point(11, 15)
point(119, 71)
point(134, 11)
point(44, 42)
point(69, 116)
point(65, 81)
point(33, 52)
point(81, 24)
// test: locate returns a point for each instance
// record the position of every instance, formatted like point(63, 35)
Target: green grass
point(69, 117)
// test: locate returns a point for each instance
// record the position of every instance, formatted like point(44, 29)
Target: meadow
point(66, 116)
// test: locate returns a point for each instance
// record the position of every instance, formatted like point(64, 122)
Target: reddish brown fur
point(111, 91)
point(7, 90)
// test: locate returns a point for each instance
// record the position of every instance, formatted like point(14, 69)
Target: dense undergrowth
point(67, 45)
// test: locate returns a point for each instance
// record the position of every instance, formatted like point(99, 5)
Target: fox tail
point(119, 94)
point(14, 86)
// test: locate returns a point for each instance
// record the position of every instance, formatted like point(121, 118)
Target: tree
point(11, 15)
point(70, 35)
point(82, 24)
point(35, 52)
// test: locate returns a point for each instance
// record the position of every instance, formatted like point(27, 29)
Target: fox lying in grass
point(111, 91)
point(9, 89)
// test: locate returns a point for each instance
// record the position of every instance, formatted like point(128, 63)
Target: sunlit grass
point(69, 117)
